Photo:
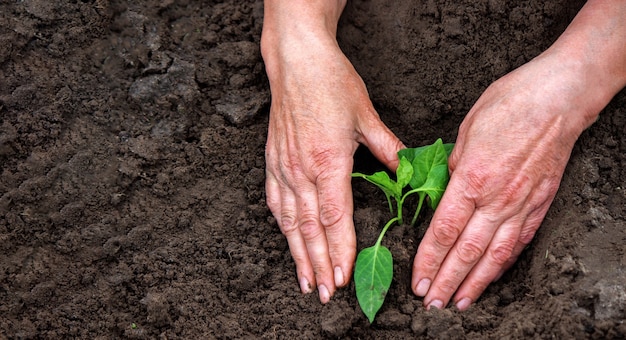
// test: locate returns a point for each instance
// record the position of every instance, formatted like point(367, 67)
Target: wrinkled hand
point(510, 154)
point(319, 113)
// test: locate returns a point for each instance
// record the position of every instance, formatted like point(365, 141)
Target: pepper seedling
point(422, 171)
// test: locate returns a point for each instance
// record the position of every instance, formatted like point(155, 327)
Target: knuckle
point(469, 251)
point(392, 157)
point(501, 252)
point(272, 202)
point(300, 258)
point(527, 235)
point(322, 159)
point(288, 168)
point(288, 224)
point(446, 232)
point(477, 180)
point(343, 253)
point(398, 145)
point(321, 270)
point(330, 214)
point(309, 227)
point(427, 263)
point(476, 287)
point(447, 287)
point(515, 192)
point(454, 158)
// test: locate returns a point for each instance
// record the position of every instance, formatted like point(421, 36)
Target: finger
point(530, 227)
point(380, 140)
point(314, 236)
point(272, 194)
point(453, 213)
point(281, 202)
point(508, 243)
point(335, 199)
point(462, 257)
point(497, 255)
point(519, 247)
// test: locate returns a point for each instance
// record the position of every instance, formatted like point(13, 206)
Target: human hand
point(510, 154)
point(319, 113)
point(509, 157)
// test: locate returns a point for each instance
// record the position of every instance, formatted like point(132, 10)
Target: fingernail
point(324, 294)
point(435, 303)
point(339, 281)
point(305, 286)
point(422, 287)
point(463, 304)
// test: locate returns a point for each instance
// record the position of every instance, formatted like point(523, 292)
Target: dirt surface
point(131, 193)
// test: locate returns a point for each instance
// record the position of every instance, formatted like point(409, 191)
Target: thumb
point(381, 141)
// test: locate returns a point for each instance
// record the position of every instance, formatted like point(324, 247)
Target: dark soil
point(132, 174)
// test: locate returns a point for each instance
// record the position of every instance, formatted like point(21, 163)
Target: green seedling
point(422, 171)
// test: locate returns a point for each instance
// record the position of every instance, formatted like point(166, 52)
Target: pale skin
point(510, 153)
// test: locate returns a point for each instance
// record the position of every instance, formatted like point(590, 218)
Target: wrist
point(296, 26)
point(593, 50)
point(582, 87)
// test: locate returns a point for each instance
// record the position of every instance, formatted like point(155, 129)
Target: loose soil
point(132, 167)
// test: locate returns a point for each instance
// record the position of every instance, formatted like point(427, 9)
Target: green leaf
point(404, 173)
point(425, 161)
point(430, 166)
point(425, 170)
point(372, 278)
point(412, 153)
point(436, 184)
point(382, 180)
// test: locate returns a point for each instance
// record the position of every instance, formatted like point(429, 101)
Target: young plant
point(422, 171)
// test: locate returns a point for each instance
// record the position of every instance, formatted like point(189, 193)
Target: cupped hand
point(320, 111)
point(509, 157)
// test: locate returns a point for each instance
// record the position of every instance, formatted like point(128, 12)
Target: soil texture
point(132, 169)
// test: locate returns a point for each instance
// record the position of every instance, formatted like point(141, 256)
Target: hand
point(505, 169)
point(319, 113)
point(510, 154)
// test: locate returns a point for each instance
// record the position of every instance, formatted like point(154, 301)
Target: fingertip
point(342, 257)
point(340, 279)
point(425, 267)
point(306, 276)
point(383, 143)
point(337, 219)
point(436, 304)
point(324, 293)
point(422, 287)
point(463, 304)
point(305, 286)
